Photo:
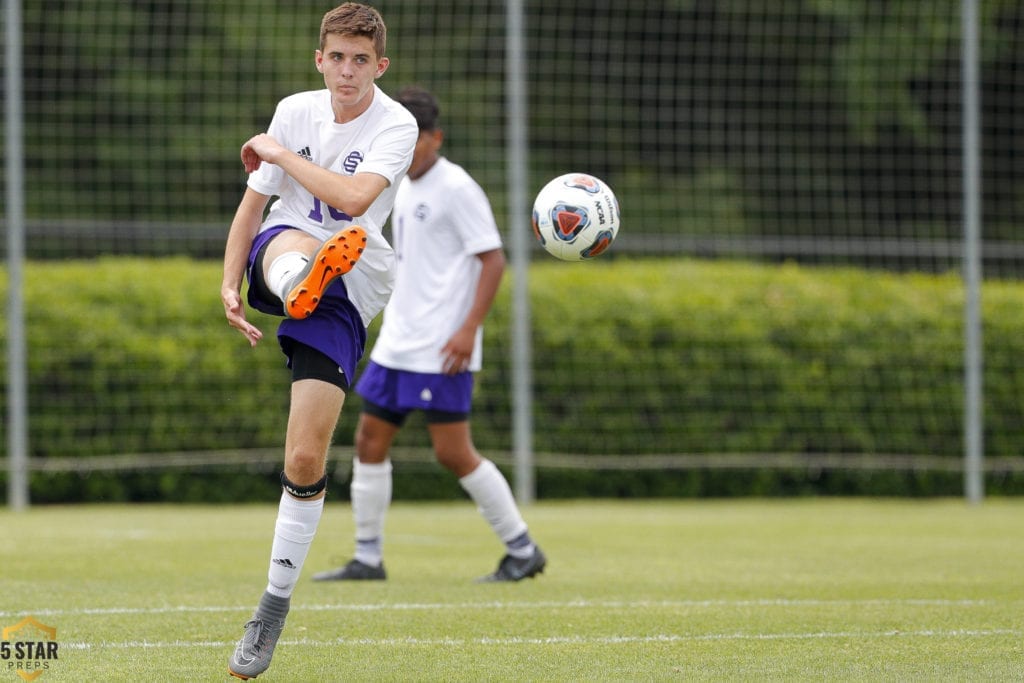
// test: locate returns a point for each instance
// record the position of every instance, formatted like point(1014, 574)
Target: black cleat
point(353, 571)
point(516, 569)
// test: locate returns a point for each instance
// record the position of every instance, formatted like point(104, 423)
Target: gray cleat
point(256, 648)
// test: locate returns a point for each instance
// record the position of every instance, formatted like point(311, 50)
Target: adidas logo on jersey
point(305, 154)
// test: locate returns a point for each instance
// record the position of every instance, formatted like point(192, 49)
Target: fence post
point(518, 209)
point(17, 412)
point(973, 361)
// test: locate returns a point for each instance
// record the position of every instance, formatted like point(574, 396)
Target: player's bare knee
point(363, 444)
point(459, 462)
point(371, 449)
point(304, 468)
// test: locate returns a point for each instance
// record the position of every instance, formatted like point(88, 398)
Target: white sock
point(293, 534)
point(371, 496)
point(282, 270)
point(487, 486)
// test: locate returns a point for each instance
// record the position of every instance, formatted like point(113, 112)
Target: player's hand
point(456, 353)
point(258, 149)
point(235, 313)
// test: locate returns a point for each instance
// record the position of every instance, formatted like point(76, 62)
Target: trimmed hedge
point(666, 356)
point(694, 357)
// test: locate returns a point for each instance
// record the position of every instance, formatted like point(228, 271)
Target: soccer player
point(333, 157)
point(450, 263)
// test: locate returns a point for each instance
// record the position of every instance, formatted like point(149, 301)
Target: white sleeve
point(391, 151)
point(268, 179)
point(473, 218)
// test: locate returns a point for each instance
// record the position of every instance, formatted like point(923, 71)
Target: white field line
point(554, 640)
point(496, 605)
point(559, 640)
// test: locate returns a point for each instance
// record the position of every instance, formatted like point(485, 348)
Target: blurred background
point(782, 312)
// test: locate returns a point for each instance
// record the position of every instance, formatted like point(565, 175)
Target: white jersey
point(442, 220)
point(379, 141)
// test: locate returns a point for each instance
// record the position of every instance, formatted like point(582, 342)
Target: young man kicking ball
point(334, 158)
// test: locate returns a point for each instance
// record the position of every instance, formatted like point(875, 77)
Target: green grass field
point(634, 591)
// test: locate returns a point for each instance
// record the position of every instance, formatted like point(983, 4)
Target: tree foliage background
point(796, 118)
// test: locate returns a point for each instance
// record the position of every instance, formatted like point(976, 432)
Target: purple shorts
point(401, 391)
point(335, 328)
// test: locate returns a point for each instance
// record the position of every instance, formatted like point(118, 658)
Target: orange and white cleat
point(335, 257)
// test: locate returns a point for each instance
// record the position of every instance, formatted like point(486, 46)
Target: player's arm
point(456, 353)
point(352, 194)
point(236, 255)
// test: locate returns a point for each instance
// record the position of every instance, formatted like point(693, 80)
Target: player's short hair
point(354, 19)
point(422, 104)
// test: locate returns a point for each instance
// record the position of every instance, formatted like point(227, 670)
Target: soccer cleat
point(353, 571)
point(255, 649)
point(516, 569)
point(334, 258)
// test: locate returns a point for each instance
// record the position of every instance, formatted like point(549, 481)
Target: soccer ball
point(576, 217)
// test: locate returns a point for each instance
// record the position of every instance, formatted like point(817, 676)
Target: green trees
point(797, 118)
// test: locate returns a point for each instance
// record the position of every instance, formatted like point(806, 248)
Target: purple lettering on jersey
point(317, 213)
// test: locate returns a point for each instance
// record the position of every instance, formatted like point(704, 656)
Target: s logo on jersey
point(352, 161)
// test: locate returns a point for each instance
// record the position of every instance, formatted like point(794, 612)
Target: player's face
point(350, 66)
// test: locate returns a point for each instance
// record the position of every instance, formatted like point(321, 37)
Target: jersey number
point(317, 213)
